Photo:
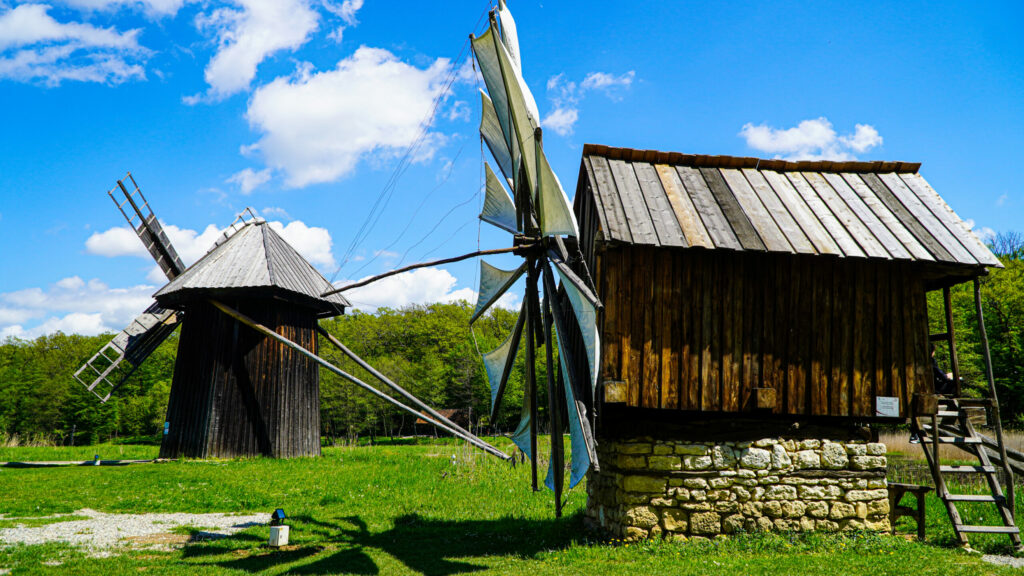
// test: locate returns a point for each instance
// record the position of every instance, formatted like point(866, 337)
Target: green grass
point(410, 509)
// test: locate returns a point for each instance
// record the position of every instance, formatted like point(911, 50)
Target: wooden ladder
point(952, 424)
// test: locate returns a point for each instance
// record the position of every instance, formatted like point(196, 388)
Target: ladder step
point(989, 529)
point(947, 414)
point(954, 440)
point(974, 498)
point(967, 469)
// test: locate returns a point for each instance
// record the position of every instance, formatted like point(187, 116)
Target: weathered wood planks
point(700, 330)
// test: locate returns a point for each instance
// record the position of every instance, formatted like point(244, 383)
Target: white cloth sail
point(509, 36)
point(498, 207)
point(490, 130)
point(580, 459)
point(496, 360)
point(513, 102)
point(493, 283)
point(556, 217)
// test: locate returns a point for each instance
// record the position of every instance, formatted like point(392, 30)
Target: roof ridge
point(722, 161)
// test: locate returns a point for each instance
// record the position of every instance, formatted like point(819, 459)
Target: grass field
point(407, 508)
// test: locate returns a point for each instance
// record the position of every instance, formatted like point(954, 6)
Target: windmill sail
point(586, 317)
point(493, 283)
point(498, 362)
point(498, 207)
point(109, 368)
point(553, 209)
point(491, 131)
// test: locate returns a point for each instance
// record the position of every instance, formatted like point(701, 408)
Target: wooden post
point(996, 418)
point(531, 368)
point(557, 463)
point(953, 360)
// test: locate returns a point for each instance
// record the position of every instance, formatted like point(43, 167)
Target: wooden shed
point(743, 285)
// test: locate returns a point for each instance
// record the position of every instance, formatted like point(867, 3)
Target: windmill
point(246, 376)
point(539, 216)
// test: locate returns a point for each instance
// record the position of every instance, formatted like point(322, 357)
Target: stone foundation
point(662, 488)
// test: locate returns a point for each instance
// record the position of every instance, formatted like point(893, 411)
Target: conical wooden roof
point(254, 262)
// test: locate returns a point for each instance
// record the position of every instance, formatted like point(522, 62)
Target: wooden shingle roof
point(254, 260)
point(882, 210)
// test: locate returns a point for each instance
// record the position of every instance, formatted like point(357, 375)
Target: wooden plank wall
point(701, 330)
point(237, 393)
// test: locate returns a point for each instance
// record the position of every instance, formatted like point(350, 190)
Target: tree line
point(432, 352)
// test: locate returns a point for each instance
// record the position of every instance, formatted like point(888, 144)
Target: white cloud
point(346, 11)
point(155, 8)
point(811, 140)
point(276, 211)
point(566, 95)
point(459, 111)
point(317, 126)
point(1001, 201)
point(421, 286)
point(71, 305)
point(312, 242)
point(984, 233)
point(35, 47)
point(249, 35)
point(248, 179)
point(562, 120)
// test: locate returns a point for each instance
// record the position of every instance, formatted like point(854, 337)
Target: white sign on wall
point(887, 407)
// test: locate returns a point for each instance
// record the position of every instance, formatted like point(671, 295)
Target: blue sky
point(303, 109)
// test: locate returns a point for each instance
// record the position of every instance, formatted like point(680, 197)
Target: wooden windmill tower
point(246, 379)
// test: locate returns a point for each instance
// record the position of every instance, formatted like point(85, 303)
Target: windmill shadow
point(427, 546)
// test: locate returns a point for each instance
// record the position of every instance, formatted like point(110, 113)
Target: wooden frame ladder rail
point(951, 424)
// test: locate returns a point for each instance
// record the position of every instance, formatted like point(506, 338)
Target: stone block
point(809, 444)
point(726, 507)
point(852, 524)
point(662, 449)
point(633, 448)
point(674, 520)
point(664, 462)
point(880, 524)
point(780, 492)
point(876, 449)
point(812, 492)
point(875, 483)
point(747, 474)
point(808, 459)
point(866, 495)
point(682, 494)
point(697, 506)
point(733, 523)
point(692, 449)
point(641, 517)
point(764, 523)
point(643, 484)
point(720, 482)
point(699, 495)
point(695, 483)
point(631, 461)
point(756, 459)
point(772, 508)
point(826, 525)
point(705, 523)
point(702, 462)
point(867, 462)
point(806, 524)
point(833, 456)
point(857, 449)
point(632, 533)
point(662, 502)
point(780, 458)
point(878, 507)
point(842, 510)
point(723, 457)
point(817, 509)
point(742, 494)
point(793, 509)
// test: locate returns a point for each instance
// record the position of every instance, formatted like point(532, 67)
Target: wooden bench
point(896, 493)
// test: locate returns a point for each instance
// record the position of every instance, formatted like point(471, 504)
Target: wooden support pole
point(954, 362)
point(386, 381)
point(997, 418)
point(557, 463)
point(242, 318)
point(531, 367)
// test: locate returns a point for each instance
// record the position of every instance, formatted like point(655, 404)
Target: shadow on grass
point(427, 546)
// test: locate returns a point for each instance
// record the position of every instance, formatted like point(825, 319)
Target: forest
point(431, 351)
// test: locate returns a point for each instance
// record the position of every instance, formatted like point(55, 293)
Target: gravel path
point(110, 530)
point(1004, 560)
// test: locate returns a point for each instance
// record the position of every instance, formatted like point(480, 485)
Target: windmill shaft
point(531, 366)
point(242, 318)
